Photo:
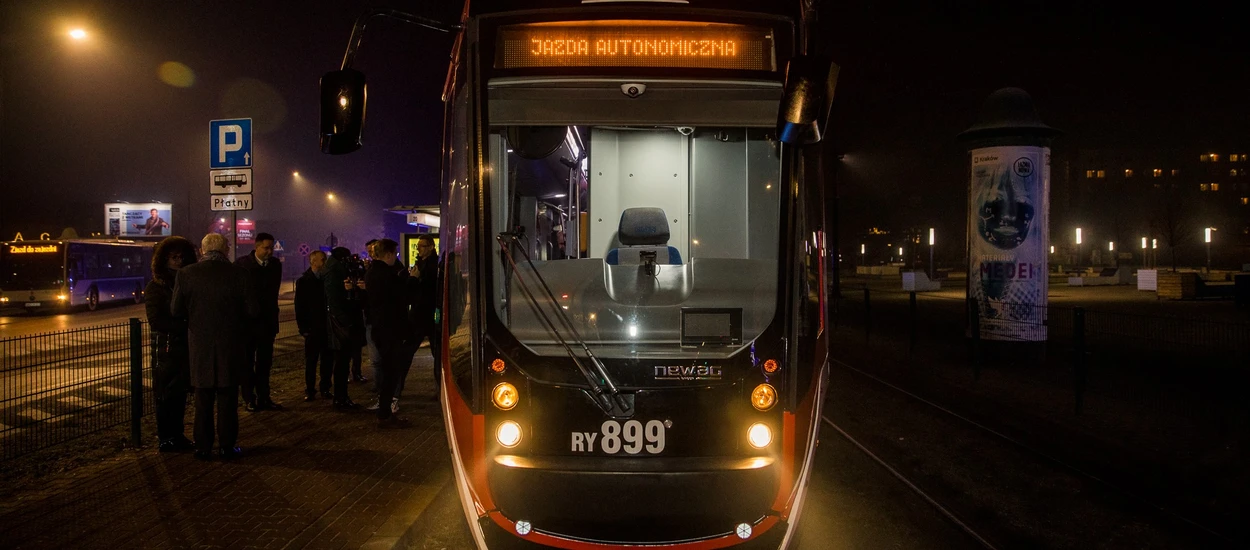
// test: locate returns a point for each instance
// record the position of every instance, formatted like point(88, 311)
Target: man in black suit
point(388, 313)
point(212, 295)
point(265, 274)
point(310, 315)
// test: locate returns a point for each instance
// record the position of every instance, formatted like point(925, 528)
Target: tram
point(634, 268)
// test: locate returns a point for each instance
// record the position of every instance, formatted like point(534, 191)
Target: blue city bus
point(43, 275)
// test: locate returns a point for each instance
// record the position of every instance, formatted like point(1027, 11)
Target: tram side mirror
point(342, 111)
point(804, 112)
point(535, 142)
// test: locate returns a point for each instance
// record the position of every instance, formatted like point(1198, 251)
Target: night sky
point(94, 122)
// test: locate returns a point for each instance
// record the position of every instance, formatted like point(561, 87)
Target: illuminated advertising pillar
point(1009, 218)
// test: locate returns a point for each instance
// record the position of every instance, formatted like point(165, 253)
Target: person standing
point(345, 329)
point(171, 361)
point(423, 289)
point(388, 312)
point(310, 315)
point(213, 296)
point(265, 274)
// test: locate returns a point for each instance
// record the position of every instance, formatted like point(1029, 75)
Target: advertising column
point(1009, 219)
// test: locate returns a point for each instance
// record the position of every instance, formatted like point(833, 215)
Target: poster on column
point(1009, 231)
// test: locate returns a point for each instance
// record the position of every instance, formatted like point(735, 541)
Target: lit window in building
point(1215, 157)
point(1204, 186)
point(1245, 201)
point(1128, 173)
point(1176, 172)
point(1232, 172)
point(1215, 187)
point(1158, 172)
point(1102, 173)
point(1204, 158)
point(1089, 173)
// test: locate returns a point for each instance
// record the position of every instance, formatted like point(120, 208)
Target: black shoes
point(345, 404)
point(393, 422)
point(233, 453)
point(176, 445)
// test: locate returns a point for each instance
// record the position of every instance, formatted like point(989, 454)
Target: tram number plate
point(631, 437)
point(34, 304)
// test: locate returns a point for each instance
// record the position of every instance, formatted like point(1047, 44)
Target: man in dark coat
point(388, 315)
point(265, 274)
point(423, 295)
point(345, 331)
point(212, 295)
point(310, 315)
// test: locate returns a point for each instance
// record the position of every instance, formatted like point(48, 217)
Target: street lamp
point(932, 268)
point(1078, 246)
point(862, 251)
point(78, 34)
point(1207, 237)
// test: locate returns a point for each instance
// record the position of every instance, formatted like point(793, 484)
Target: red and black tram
point(633, 234)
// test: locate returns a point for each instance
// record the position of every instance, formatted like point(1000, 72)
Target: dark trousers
point(172, 381)
point(393, 357)
point(356, 359)
point(431, 332)
point(259, 363)
point(227, 400)
point(316, 349)
point(342, 366)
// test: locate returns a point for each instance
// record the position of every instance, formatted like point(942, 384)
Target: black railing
point(60, 386)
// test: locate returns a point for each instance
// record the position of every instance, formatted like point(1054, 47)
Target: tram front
point(633, 315)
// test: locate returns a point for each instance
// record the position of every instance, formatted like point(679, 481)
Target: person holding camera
point(345, 325)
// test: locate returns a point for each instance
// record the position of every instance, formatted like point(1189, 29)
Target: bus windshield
point(653, 240)
point(27, 267)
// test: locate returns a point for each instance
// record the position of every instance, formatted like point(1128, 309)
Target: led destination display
point(636, 44)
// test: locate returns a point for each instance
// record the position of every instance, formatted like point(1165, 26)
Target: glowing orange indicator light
point(498, 366)
point(764, 397)
point(770, 366)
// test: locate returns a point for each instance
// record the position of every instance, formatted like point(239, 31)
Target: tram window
point(457, 288)
point(719, 188)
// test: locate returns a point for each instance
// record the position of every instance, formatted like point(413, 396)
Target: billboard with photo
point(138, 219)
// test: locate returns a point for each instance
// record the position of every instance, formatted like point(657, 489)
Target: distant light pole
point(862, 254)
point(1111, 248)
point(932, 268)
point(1207, 238)
point(1144, 259)
point(1078, 247)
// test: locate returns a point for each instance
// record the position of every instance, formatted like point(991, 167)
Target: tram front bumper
point(638, 500)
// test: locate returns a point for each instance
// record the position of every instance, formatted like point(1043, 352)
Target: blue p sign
point(230, 143)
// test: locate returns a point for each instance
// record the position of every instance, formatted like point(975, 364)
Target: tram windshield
point(653, 240)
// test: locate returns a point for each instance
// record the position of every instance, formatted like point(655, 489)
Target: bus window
point(91, 266)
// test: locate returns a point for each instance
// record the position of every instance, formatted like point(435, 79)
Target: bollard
point(911, 348)
point(136, 382)
point(867, 314)
point(1078, 358)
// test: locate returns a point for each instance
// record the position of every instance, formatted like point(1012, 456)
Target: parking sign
point(230, 143)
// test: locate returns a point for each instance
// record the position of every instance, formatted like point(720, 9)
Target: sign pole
point(234, 235)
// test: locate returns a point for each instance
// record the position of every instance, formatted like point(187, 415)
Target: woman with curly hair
point(171, 363)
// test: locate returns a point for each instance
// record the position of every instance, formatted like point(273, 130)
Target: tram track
point(950, 510)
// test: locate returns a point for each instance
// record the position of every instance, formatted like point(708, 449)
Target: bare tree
point(1169, 219)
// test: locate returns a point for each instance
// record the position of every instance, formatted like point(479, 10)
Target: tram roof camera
point(633, 89)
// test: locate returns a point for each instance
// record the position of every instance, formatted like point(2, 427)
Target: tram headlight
point(4, 298)
point(760, 435)
point(508, 434)
point(505, 396)
point(763, 397)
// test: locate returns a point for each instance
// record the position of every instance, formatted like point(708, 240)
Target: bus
point(59, 275)
point(634, 267)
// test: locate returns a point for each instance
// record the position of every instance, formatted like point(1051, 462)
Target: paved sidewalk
point(310, 477)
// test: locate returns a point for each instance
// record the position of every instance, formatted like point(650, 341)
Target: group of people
point(213, 325)
point(342, 306)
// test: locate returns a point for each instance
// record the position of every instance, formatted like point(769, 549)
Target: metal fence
point(60, 386)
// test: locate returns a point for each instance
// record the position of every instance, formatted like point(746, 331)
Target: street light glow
point(861, 248)
point(1208, 234)
point(1052, 249)
point(930, 236)
point(78, 34)
point(1154, 243)
point(295, 174)
point(330, 196)
point(1111, 245)
point(1078, 235)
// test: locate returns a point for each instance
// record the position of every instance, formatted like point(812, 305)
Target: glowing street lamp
point(330, 197)
point(78, 34)
point(932, 268)
point(1078, 235)
point(1207, 237)
point(1111, 246)
point(1078, 246)
point(295, 174)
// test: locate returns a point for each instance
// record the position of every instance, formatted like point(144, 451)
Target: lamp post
point(932, 268)
point(1144, 260)
point(1078, 247)
point(862, 251)
point(1207, 238)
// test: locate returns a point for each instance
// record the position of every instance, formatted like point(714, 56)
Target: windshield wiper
point(606, 394)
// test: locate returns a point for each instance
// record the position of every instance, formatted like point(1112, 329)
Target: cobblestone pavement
point(310, 477)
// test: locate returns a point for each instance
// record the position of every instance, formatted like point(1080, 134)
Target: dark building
point(1171, 196)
